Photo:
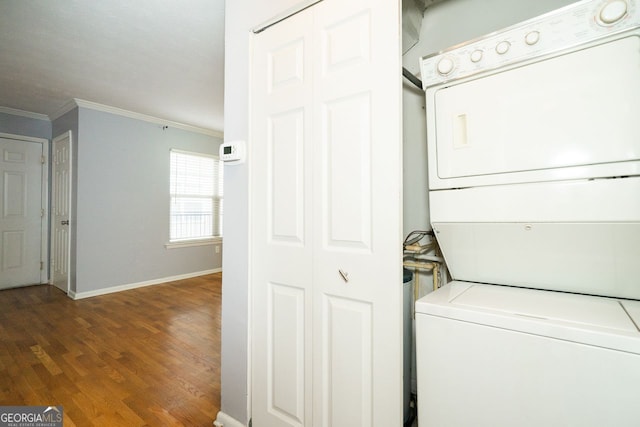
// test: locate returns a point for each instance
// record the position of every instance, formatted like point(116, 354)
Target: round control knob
point(613, 11)
point(476, 55)
point(445, 66)
point(503, 47)
point(532, 38)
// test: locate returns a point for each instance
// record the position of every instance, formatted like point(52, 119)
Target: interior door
point(281, 258)
point(61, 209)
point(22, 212)
point(325, 208)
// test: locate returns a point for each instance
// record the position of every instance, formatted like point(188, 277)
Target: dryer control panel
point(547, 34)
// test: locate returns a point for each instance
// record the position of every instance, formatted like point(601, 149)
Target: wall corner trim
point(81, 295)
point(224, 420)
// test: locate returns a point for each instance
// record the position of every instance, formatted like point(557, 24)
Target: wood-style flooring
point(144, 357)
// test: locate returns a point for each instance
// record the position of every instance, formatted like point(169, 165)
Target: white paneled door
point(61, 211)
point(22, 212)
point(326, 208)
point(282, 262)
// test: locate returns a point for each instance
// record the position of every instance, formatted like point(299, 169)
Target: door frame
point(44, 202)
point(65, 134)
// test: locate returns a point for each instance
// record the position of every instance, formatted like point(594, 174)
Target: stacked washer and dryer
point(534, 186)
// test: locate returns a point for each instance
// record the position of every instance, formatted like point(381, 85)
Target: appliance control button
point(476, 55)
point(532, 38)
point(613, 11)
point(503, 47)
point(445, 66)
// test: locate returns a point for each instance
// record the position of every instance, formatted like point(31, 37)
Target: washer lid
point(599, 321)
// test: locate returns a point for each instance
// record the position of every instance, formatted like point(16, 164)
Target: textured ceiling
point(163, 58)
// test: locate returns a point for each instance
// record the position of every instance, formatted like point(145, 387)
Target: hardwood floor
point(144, 357)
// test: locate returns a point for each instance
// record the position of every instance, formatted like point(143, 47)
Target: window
point(196, 191)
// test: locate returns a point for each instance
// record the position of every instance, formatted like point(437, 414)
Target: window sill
point(191, 243)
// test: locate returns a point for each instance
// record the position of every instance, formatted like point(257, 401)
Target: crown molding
point(22, 113)
point(68, 106)
point(75, 102)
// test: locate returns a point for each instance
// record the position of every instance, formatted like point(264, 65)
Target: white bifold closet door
point(326, 288)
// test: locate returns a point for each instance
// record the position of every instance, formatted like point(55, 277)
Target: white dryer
point(534, 179)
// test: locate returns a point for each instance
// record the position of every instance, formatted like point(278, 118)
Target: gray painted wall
point(120, 199)
point(415, 214)
point(122, 194)
point(26, 126)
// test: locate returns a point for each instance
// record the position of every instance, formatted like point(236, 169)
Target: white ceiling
point(163, 58)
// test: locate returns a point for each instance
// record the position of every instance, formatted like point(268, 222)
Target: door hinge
point(41, 265)
point(41, 213)
point(42, 159)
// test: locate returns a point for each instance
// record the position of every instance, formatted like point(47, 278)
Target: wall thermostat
point(233, 152)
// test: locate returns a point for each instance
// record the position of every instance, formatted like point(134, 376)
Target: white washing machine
point(534, 187)
point(503, 356)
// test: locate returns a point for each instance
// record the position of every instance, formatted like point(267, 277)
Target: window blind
point(196, 191)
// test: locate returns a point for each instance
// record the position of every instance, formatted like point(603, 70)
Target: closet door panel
point(285, 167)
point(347, 382)
point(281, 258)
point(346, 173)
point(285, 352)
point(357, 173)
point(326, 207)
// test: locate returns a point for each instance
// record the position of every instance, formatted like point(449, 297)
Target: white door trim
point(44, 253)
point(44, 203)
point(23, 138)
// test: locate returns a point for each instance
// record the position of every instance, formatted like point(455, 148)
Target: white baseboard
point(120, 288)
point(224, 420)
